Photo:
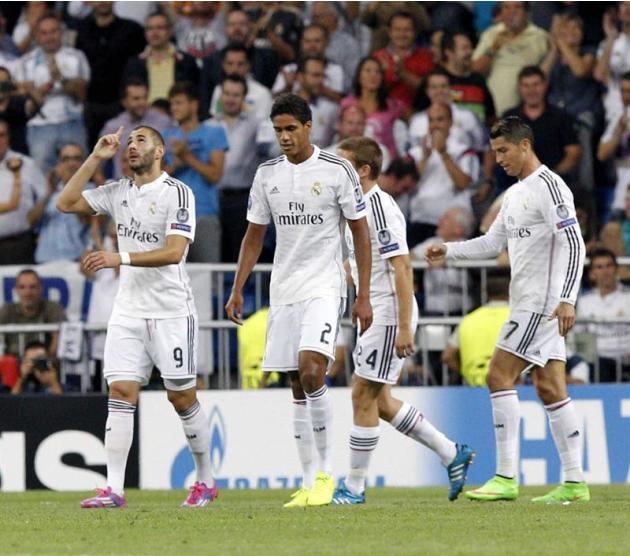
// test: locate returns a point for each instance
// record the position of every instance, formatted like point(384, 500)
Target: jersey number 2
point(327, 330)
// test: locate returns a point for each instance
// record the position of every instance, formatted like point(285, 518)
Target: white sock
point(197, 433)
point(303, 434)
point(320, 409)
point(506, 414)
point(118, 438)
point(363, 441)
point(566, 434)
point(411, 422)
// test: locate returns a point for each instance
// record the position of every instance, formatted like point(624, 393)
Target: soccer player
point(306, 192)
point(154, 321)
point(538, 224)
point(379, 352)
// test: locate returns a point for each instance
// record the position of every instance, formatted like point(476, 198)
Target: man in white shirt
point(608, 299)
point(537, 222)
point(154, 320)
point(306, 192)
point(62, 75)
point(380, 352)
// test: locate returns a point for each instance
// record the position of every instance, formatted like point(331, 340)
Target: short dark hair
point(530, 71)
point(235, 78)
point(159, 14)
point(447, 42)
point(401, 167)
point(26, 271)
point(235, 47)
point(404, 14)
point(34, 344)
point(364, 151)
point(316, 26)
point(293, 105)
point(184, 88)
point(513, 129)
point(134, 82)
point(601, 253)
point(301, 67)
point(155, 134)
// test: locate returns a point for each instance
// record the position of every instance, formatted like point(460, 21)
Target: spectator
point(446, 290)
point(470, 347)
point(343, 48)
point(447, 170)
point(16, 109)
point(62, 236)
point(613, 58)
point(24, 32)
point(258, 99)
point(17, 172)
point(161, 64)
point(400, 179)
point(137, 113)
point(104, 37)
point(608, 300)
point(371, 95)
point(199, 30)
point(38, 374)
point(195, 155)
point(468, 88)
point(311, 76)
point(615, 236)
point(8, 50)
point(507, 47)
point(377, 15)
point(352, 123)
point(615, 144)
point(314, 43)
point(62, 75)
point(403, 63)
point(554, 130)
point(248, 143)
point(31, 308)
point(435, 42)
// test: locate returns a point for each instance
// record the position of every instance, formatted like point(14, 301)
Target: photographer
point(37, 373)
point(17, 109)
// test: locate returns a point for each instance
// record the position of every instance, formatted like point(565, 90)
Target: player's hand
point(96, 260)
point(234, 307)
point(107, 146)
point(404, 343)
point(565, 313)
point(435, 254)
point(362, 312)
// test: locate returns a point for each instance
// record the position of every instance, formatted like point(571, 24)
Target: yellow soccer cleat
point(322, 492)
point(298, 499)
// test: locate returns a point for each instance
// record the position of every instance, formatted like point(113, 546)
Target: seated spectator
point(615, 144)
point(104, 38)
point(21, 178)
point(371, 95)
point(16, 109)
point(161, 64)
point(400, 179)
point(61, 74)
point(236, 61)
point(403, 63)
point(613, 60)
point(343, 48)
point(569, 68)
point(507, 47)
point(608, 300)
point(447, 289)
point(135, 101)
point(31, 308)
point(447, 170)
point(248, 144)
point(195, 154)
point(199, 29)
point(554, 129)
point(62, 236)
point(38, 374)
point(352, 123)
point(471, 346)
point(313, 43)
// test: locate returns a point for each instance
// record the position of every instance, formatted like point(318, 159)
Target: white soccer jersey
point(306, 202)
point(388, 236)
point(144, 216)
point(537, 221)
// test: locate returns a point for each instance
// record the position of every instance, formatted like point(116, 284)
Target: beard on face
point(144, 163)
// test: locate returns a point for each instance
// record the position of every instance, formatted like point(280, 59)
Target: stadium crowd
point(426, 80)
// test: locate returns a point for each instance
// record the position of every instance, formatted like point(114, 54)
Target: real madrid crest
point(152, 208)
point(316, 189)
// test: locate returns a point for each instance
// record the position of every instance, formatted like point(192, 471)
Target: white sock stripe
point(558, 405)
point(299, 402)
point(363, 441)
point(191, 411)
point(409, 420)
point(317, 394)
point(117, 406)
point(502, 393)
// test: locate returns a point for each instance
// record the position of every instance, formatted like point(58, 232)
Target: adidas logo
point(319, 429)
point(191, 436)
point(124, 203)
point(499, 426)
point(274, 190)
point(108, 429)
point(574, 434)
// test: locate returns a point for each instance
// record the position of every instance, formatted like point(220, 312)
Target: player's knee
point(311, 375)
point(182, 400)
point(548, 391)
point(124, 392)
point(494, 379)
point(362, 398)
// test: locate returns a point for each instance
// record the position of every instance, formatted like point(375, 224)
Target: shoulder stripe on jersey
point(379, 206)
point(327, 157)
point(182, 191)
point(272, 162)
point(572, 272)
point(377, 216)
point(552, 185)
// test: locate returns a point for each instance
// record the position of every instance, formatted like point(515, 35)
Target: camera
point(41, 364)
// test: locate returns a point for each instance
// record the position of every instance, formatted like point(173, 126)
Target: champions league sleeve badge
point(384, 237)
point(182, 215)
point(562, 211)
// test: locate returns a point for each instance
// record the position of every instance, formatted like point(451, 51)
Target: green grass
point(394, 521)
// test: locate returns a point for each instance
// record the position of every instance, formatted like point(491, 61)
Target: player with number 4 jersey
point(154, 320)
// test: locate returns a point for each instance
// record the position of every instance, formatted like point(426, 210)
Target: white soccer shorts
point(134, 345)
point(309, 325)
point(532, 337)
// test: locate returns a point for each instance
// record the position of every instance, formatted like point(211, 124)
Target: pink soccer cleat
point(104, 498)
point(200, 495)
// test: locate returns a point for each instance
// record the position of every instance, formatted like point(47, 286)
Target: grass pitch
point(394, 521)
